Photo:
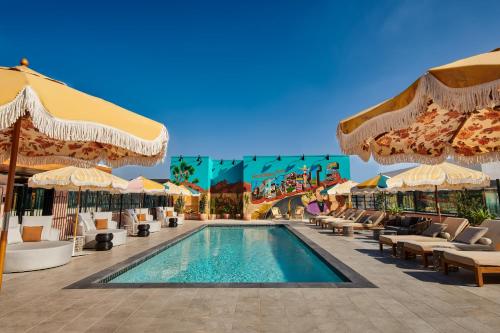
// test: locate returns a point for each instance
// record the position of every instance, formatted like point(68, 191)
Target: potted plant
point(226, 210)
point(179, 206)
point(203, 207)
point(246, 201)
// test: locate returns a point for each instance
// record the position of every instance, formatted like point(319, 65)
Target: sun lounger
point(131, 220)
point(454, 226)
point(322, 220)
point(339, 223)
point(480, 262)
point(372, 220)
point(487, 242)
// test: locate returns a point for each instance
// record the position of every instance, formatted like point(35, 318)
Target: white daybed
point(29, 256)
point(88, 229)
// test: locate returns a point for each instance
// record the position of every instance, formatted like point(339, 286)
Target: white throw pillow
point(14, 235)
point(87, 221)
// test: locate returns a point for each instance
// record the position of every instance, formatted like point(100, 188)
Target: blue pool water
point(253, 254)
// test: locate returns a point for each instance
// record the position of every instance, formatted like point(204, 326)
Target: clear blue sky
point(234, 78)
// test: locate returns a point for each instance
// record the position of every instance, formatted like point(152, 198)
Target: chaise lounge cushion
point(394, 239)
point(455, 225)
point(429, 246)
point(434, 229)
point(32, 256)
point(471, 235)
point(474, 258)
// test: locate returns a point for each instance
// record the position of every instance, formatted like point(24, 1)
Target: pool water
point(234, 254)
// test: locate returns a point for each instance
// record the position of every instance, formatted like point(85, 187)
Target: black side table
point(103, 242)
point(143, 230)
point(172, 222)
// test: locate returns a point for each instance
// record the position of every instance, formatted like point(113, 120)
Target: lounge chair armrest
point(112, 225)
point(53, 234)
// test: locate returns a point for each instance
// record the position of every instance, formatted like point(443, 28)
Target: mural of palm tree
point(182, 172)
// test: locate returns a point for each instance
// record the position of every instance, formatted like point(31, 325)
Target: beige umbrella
point(452, 110)
point(343, 189)
point(431, 177)
point(43, 120)
point(72, 178)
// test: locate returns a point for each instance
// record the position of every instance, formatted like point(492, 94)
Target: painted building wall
point(267, 181)
point(287, 182)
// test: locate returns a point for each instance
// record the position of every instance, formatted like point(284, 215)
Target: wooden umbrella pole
point(75, 227)
point(9, 194)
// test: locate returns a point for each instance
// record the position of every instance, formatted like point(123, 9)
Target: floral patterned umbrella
point(452, 110)
point(43, 120)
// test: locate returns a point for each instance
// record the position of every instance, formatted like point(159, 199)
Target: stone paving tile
point(408, 298)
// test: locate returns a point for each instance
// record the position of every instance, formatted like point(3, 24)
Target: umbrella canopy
point(72, 178)
point(445, 175)
point(342, 189)
point(452, 110)
point(371, 185)
point(176, 189)
point(144, 185)
point(42, 121)
point(59, 124)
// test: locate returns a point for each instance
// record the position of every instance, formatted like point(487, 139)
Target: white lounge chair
point(87, 221)
point(30, 256)
point(130, 219)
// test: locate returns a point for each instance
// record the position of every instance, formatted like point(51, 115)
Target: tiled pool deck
point(408, 298)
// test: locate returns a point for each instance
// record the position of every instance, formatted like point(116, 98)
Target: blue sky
point(234, 78)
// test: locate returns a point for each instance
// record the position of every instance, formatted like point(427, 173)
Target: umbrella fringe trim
point(461, 99)
point(449, 152)
point(27, 101)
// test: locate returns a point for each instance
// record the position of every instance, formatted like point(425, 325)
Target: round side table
point(172, 222)
point(103, 242)
point(143, 230)
point(348, 230)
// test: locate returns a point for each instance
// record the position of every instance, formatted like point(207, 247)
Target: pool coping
point(100, 279)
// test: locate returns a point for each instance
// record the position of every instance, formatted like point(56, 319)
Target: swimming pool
point(230, 256)
point(234, 255)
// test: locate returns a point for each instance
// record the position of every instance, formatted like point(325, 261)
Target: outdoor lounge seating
point(409, 225)
point(298, 213)
point(29, 256)
point(276, 213)
point(132, 221)
point(454, 226)
point(486, 242)
point(370, 220)
point(338, 223)
point(480, 262)
point(323, 220)
point(89, 230)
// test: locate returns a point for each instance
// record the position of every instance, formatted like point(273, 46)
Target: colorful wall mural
point(290, 181)
point(267, 181)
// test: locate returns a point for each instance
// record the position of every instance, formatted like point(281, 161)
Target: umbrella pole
point(75, 227)
point(438, 210)
point(9, 194)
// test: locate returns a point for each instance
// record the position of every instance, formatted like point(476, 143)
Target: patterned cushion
point(434, 229)
point(471, 235)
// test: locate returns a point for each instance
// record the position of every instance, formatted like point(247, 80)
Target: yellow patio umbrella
point(43, 120)
point(452, 110)
point(144, 185)
point(72, 178)
point(445, 176)
point(343, 189)
point(174, 189)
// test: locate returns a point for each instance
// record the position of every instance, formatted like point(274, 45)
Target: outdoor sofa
point(132, 221)
point(24, 256)
point(453, 226)
point(408, 225)
point(89, 230)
